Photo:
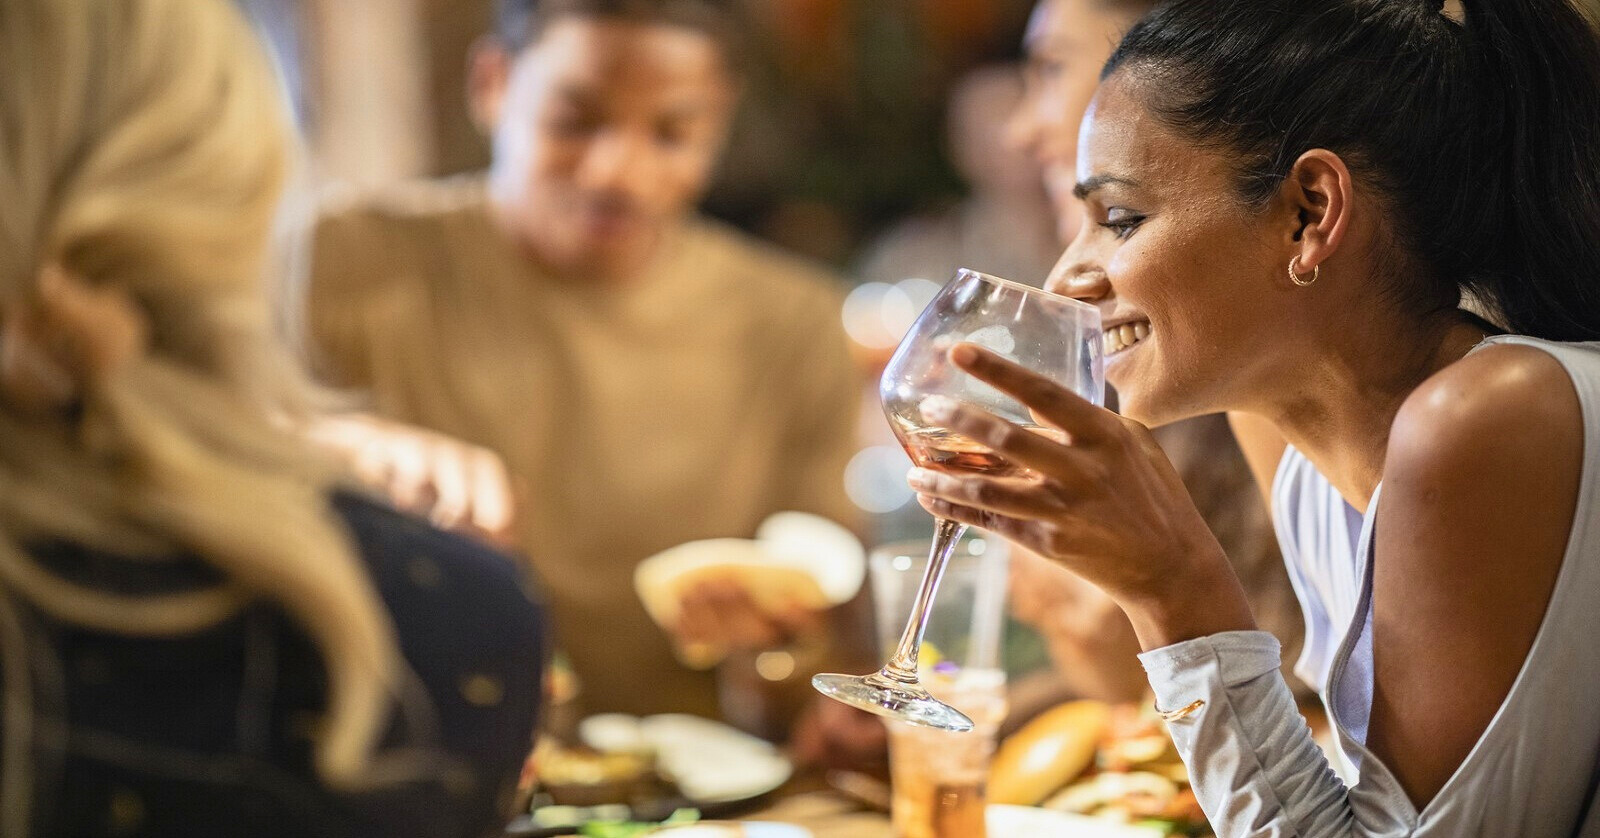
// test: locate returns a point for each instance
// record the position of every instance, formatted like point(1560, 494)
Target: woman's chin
point(1136, 392)
point(1156, 409)
point(1122, 391)
point(1130, 401)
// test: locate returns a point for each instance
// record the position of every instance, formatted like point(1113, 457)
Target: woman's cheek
point(1128, 266)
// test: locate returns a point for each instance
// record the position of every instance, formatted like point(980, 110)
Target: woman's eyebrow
point(1087, 187)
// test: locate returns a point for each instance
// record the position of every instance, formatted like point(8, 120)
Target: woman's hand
point(455, 485)
point(1106, 504)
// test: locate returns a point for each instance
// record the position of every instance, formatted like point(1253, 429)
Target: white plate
point(1046, 823)
point(711, 762)
point(776, 830)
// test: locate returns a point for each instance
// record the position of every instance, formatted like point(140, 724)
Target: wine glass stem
point(903, 666)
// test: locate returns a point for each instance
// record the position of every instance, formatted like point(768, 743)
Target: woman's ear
point(488, 73)
point(1318, 195)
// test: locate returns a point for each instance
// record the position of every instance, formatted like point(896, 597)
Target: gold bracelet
point(1170, 716)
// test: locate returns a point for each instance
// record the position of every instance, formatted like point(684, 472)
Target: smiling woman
point(1288, 203)
point(1161, 216)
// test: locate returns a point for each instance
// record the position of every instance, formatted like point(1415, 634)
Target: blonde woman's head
point(145, 147)
point(143, 150)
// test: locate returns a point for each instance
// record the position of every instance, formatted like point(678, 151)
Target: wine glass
point(1052, 335)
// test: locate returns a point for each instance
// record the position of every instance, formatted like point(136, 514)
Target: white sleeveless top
point(1533, 772)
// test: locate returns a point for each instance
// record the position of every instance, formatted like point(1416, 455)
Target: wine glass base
point(892, 699)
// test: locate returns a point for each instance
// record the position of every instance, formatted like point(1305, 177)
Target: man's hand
point(455, 485)
point(1088, 637)
point(718, 616)
point(833, 736)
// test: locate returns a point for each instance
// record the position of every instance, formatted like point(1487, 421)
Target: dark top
point(207, 735)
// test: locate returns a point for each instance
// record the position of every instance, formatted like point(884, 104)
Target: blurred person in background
point(202, 630)
point(1091, 641)
point(648, 377)
point(1003, 226)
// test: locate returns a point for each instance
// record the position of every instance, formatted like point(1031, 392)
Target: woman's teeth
point(1121, 337)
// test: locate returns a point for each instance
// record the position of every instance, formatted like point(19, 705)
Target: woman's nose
point(1079, 280)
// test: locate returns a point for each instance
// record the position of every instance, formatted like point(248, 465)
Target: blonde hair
point(144, 147)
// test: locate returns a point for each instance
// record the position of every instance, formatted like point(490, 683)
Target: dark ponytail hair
point(1483, 135)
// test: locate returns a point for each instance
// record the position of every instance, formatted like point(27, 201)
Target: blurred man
point(647, 376)
point(1067, 42)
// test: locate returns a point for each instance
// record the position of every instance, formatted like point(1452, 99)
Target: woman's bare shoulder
point(1507, 405)
point(1480, 485)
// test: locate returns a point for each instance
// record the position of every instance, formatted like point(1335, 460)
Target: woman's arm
point(1476, 509)
point(1109, 506)
point(1480, 486)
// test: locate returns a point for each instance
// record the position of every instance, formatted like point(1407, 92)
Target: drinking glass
point(1052, 335)
point(938, 778)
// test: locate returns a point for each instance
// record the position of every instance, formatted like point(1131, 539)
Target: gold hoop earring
point(1294, 274)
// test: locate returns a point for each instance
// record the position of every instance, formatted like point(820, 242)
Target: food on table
point(1033, 822)
point(615, 733)
point(629, 770)
point(1115, 763)
point(1048, 752)
point(703, 830)
point(584, 777)
point(632, 829)
point(1140, 794)
point(1136, 737)
point(795, 559)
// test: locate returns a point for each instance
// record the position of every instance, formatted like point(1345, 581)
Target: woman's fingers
point(30, 379)
point(447, 472)
point(410, 484)
point(456, 485)
point(796, 621)
point(1038, 448)
point(1006, 496)
point(746, 625)
point(1051, 452)
point(491, 493)
point(1084, 422)
point(694, 635)
point(1012, 529)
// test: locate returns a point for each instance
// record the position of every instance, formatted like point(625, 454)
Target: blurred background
point(841, 136)
point(871, 139)
point(841, 132)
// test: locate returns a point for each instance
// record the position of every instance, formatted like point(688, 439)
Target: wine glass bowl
point(1055, 336)
point(1049, 334)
